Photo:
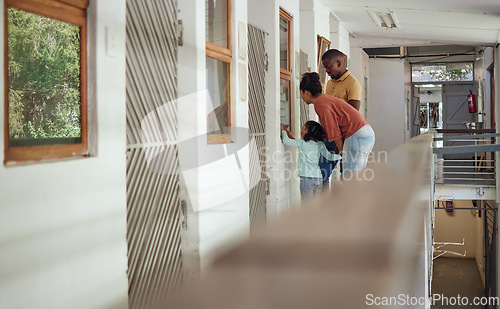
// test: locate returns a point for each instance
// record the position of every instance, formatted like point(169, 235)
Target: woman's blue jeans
point(356, 149)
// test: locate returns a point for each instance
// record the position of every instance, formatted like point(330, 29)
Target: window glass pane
point(219, 117)
point(44, 80)
point(216, 22)
point(285, 102)
point(440, 72)
point(284, 28)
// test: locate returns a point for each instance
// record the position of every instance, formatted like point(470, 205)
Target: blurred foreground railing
point(465, 156)
point(367, 239)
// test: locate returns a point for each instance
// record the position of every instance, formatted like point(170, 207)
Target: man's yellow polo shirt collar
point(344, 76)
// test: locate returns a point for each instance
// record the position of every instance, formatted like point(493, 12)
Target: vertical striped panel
point(304, 108)
point(153, 206)
point(257, 123)
point(490, 247)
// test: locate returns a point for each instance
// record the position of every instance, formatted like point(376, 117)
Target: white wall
point(216, 217)
point(321, 22)
point(340, 38)
point(315, 20)
point(359, 69)
point(408, 100)
point(456, 226)
point(461, 225)
point(63, 223)
point(308, 40)
point(386, 97)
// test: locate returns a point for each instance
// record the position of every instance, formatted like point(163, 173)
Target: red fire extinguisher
point(471, 101)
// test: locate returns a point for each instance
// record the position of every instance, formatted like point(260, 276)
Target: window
point(441, 72)
point(323, 46)
point(285, 21)
point(46, 101)
point(218, 69)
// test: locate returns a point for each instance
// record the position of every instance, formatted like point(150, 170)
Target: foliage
point(442, 72)
point(44, 77)
point(451, 75)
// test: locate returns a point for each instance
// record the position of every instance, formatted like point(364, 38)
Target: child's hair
point(314, 131)
point(310, 82)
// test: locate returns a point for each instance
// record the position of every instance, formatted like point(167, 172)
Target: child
point(310, 147)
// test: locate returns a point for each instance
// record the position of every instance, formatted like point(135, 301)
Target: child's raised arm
point(285, 135)
point(328, 155)
point(288, 133)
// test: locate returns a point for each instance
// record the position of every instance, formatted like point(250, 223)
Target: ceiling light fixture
point(386, 20)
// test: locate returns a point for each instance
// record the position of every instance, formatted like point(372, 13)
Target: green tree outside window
point(44, 80)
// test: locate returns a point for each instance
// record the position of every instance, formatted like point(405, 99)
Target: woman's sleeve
point(288, 141)
point(328, 155)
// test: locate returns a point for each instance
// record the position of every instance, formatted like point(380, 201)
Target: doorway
point(464, 263)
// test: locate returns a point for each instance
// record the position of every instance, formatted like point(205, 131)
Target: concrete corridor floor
point(453, 277)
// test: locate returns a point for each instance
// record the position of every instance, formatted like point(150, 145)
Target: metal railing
point(370, 237)
point(465, 156)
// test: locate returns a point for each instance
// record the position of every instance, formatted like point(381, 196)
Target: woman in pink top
point(342, 123)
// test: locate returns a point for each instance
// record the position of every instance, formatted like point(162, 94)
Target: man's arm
point(355, 103)
point(339, 144)
point(354, 93)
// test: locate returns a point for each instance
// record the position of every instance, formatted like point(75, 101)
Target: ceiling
point(423, 22)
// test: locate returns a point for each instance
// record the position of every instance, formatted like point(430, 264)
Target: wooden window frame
point(223, 54)
point(321, 40)
point(287, 74)
point(288, 17)
point(72, 12)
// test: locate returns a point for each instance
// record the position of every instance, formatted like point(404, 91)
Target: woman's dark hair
point(314, 131)
point(310, 82)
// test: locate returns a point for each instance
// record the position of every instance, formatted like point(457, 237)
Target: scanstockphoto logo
point(405, 300)
point(212, 173)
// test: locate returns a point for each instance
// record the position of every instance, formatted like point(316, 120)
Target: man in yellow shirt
point(343, 86)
